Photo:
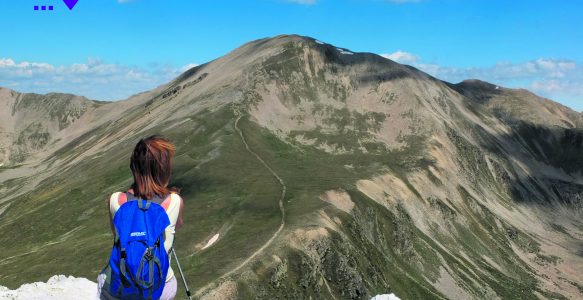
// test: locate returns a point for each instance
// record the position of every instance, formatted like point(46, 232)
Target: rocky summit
point(309, 171)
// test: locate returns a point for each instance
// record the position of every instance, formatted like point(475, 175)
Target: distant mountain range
point(326, 173)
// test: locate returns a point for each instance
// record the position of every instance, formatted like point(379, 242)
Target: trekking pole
point(181, 274)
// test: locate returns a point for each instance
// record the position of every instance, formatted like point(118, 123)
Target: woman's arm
point(115, 201)
point(179, 222)
point(110, 219)
point(173, 210)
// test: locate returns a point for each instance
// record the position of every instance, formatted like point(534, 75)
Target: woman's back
point(172, 204)
point(151, 166)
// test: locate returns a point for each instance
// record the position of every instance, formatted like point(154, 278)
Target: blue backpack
point(138, 262)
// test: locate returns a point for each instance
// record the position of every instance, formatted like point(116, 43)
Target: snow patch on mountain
point(211, 241)
point(59, 287)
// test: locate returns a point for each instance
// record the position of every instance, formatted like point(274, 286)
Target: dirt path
point(281, 208)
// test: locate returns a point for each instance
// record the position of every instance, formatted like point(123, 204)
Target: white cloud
point(188, 67)
point(401, 57)
point(508, 72)
point(552, 78)
point(94, 79)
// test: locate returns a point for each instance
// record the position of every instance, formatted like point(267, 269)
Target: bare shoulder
point(114, 199)
point(175, 196)
point(115, 196)
point(176, 199)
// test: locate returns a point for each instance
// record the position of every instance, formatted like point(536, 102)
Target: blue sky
point(110, 49)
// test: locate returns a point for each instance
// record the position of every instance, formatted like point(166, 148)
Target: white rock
point(57, 287)
point(385, 297)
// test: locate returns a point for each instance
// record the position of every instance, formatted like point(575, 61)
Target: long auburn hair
point(151, 165)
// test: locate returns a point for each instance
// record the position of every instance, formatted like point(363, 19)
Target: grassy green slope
point(382, 250)
point(63, 224)
point(62, 227)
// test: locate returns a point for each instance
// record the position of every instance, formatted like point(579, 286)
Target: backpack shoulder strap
point(144, 204)
point(130, 196)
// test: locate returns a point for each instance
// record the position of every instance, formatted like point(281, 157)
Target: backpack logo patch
point(140, 233)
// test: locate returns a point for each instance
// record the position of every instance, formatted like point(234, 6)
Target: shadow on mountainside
point(537, 164)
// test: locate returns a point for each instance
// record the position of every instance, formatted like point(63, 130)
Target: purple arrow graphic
point(70, 3)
